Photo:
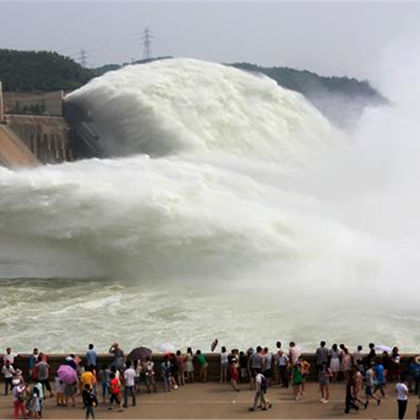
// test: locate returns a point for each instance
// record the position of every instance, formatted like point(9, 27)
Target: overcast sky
point(331, 38)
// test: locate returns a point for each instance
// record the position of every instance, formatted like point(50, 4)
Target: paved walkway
point(218, 401)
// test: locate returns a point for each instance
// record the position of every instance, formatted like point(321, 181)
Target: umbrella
point(139, 353)
point(67, 374)
point(167, 348)
point(382, 348)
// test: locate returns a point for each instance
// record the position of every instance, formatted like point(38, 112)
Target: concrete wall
point(46, 137)
point(213, 359)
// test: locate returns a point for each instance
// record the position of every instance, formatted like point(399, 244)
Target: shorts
point(268, 373)
point(368, 390)
point(255, 372)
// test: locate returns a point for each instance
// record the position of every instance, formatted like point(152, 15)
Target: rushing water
point(231, 209)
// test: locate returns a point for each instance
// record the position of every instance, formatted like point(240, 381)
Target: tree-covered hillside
point(40, 71)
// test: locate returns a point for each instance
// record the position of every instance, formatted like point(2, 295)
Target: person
point(189, 357)
point(69, 393)
point(104, 376)
point(334, 361)
point(89, 401)
point(370, 386)
point(115, 388)
point(356, 383)
point(357, 357)
point(150, 374)
point(91, 356)
point(39, 389)
point(283, 365)
point(9, 356)
point(59, 392)
point(234, 370)
point(380, 377)
point(33, 360)
point(276, 371)
point(324, 375)
point(297, 380)
point(224, 365)
point(87, 378)
point(18, 400)
point(243, 362)
point(8, 371)
point(43, 373)
point(346, 363)
point(180, 361)
point(166, 373)
point(394, 371)
point(203, 365)
point(402, 397)
point(256, 362)
point(119, 359)
point(260, 391)
point(129, 375)
point(305, 368)
point(294, 353)
point(321, 355)
point(371, 356)
point(349, 401)
point(268, 362)
point(35, 404)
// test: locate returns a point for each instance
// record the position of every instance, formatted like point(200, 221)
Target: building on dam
point(34, 130)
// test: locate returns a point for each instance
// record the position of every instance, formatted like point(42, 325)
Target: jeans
point(132, 391)
point(7, 384)
point(89, 411)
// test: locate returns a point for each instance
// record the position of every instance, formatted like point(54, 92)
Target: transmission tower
point(83, 58)
point(147, 43)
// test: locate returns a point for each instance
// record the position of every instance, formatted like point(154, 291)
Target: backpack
point(264, 384)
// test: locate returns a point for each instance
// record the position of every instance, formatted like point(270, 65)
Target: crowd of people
point(364, 376)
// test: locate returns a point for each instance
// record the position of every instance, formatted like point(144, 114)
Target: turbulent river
point(231, 208)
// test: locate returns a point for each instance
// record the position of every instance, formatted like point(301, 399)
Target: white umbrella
point(382, 348)
point(167, 348)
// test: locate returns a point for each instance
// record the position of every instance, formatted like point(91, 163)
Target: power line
point(147, 43)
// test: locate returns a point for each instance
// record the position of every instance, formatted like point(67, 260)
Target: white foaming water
point(242, 208)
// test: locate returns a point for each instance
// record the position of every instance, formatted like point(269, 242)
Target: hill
point(341, 99)
point(40, 71)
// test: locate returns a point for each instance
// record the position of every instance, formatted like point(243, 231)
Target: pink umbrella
point(67, 374)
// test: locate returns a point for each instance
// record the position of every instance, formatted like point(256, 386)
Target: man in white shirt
point(402, 398)
point(9, 356)
point(129, 382)
point(8, 372)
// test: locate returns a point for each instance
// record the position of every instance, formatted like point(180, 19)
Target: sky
point(330, 38)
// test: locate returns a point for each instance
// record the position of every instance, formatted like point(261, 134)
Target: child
point(297, 380)
point(89, 401)
point(36, 410)
point(115, 386)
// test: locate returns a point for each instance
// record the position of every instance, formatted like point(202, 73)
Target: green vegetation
point(40, 71)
